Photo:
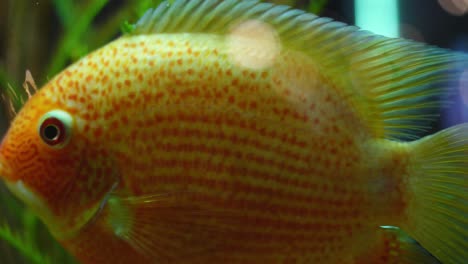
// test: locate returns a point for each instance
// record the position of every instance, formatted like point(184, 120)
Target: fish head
point(52, 166)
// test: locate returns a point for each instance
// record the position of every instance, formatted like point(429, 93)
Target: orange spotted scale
point(245, 132)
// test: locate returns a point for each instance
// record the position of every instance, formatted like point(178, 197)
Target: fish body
point(236, 140)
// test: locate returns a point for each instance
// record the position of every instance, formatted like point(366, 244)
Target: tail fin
point(437, 209)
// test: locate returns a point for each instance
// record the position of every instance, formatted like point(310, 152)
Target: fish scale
point(250, 173)
point(233, 172)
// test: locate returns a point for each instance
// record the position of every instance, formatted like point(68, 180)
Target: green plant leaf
point(65, 12)
point(317, 6)
point(26, 248)
point(73, 35)
point(127, 27)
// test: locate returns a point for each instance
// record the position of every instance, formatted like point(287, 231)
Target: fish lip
point(5, 170)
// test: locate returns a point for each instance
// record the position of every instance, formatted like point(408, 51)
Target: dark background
point(437, 26)
point(425, 21)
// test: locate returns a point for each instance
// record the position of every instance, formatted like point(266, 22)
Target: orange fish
point(245, 132)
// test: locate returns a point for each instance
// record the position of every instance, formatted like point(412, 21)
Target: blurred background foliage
point(44, 37)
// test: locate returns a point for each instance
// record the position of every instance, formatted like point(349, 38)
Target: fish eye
point(55, 128)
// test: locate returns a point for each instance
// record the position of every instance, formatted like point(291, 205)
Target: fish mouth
point(20, 190)
point(5, 171)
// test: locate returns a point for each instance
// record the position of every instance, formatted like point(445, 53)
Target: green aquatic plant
point(317, 6)
point(73, 30)
point(25, 246)
point(82, 27)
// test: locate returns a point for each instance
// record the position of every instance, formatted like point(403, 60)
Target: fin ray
point(396, 78)
point(438, 207)
point(156, 225)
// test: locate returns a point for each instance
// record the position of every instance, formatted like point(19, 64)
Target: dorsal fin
point(400, 83)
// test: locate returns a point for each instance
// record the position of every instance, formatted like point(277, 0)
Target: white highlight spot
point(455, 7)
point(253, 44)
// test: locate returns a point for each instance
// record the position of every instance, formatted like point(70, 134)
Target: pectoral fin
point(168, 227)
